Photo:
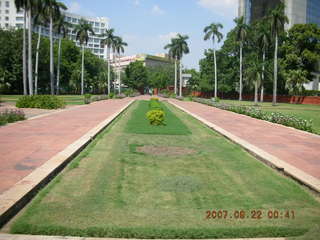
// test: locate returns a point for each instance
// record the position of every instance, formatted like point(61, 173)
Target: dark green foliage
point(136, 75)
point(10, 116)
point(139, 124)
point(160, 76)
point(70, 68)
point(275, 117)
point(87, 98)
point(40, 101)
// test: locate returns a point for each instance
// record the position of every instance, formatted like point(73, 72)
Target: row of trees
point(247, 55)
point(48, 13)
point(11, 70)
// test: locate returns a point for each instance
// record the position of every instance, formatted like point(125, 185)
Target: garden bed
point(113, 189)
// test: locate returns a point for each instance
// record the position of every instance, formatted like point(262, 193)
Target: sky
point(148, 25)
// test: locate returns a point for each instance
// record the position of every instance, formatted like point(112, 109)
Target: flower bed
point(10, 116)
point(275, 117)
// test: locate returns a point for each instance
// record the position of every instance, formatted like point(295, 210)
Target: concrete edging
point(268, 158)
point(34, 237)
point(15, 198)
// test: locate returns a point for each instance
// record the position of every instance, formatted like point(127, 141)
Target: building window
point(19, 25)
point(19, 18)
point(74, 20)
point(96, 24)
point(7, 18)
point(7, 11)
point(103, 25)
point(97, 40)
point(7, 4)
point(96, 30)
point(7, 25)
point(96, 46)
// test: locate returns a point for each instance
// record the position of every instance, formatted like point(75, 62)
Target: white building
point(11, 18)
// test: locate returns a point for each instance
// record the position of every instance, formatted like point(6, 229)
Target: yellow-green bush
point(156, 117)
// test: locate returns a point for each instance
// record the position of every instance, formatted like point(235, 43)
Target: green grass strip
point(139, 124)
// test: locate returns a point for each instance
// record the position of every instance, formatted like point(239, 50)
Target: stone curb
point(268, 158)
point(15, 198)
point(34, 237)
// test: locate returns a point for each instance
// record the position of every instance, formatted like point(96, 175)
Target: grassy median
point(137, 185)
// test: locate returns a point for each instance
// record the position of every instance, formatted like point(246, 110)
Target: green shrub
point(40, 101)
point(87, 98)
point(275, 117)
point(311, 93)
point(10, 116)
point(156, 117)
point(111, 95)
point(154, 104)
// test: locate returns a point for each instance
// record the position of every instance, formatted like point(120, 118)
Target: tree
point(28, 6)
point(136, 76)
point(174, 53)
point(181, 46)
point(52, 11)
point(212, 32)
point(62, 28)
point(119, 47)
point(39, 20)
point(160, 76)
point(109, 40)
point(253, 74)
point(83, 29)
point(301, 54)
point(263, 43)
point(278, 19)
point(241, 30)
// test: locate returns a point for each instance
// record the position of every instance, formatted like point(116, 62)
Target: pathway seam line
point(12, 200)
point(287, 168)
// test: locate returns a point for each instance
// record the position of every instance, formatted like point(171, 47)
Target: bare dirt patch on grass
point(165, 150)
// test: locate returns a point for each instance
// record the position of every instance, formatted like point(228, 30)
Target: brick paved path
point(26, 145)
point(297, 148)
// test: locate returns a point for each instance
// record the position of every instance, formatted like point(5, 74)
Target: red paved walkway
point(26, 145)
point(297, 148)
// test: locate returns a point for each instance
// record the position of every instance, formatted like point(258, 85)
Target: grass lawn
point(305, 111)
point(126, 184)
point(69, 99)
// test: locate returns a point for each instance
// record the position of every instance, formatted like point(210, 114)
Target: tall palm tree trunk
point(82, 71)
point(30, 70)
point(256, 92)
point(274, 98)
point(215, 72)
point(119, 74)
point(58, 67)
point(51, 57)
point(24, 56)
point(262, 75)
point(180, 85)
point(109, 58)
point(175, 75)
point(36, 70)
point(240, 86)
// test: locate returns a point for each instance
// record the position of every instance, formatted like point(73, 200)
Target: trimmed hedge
point(40, 101)
point(10, 116)
point(275, 117)
point(156, 115)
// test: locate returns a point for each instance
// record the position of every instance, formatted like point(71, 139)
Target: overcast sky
point(148, 25)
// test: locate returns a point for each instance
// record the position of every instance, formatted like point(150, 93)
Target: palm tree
point(52, 10)
point(173, 53)
point(263, 42)
point(83, 29)
point(181, 46)
point(27, 6)
point(241, 30)
point(119, 47)
point(62, 28)
point(109, 40)
point(39, 20)
point(253, 73)
point(212, 31)
point(278, 19)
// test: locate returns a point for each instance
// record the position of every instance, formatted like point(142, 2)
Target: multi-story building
point(297, 11)
point(11, 18)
